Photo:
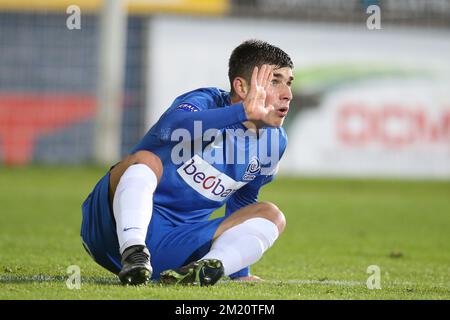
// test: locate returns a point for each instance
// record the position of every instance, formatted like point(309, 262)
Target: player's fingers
point(268, 77)
point(261, 74)
point(254, 80)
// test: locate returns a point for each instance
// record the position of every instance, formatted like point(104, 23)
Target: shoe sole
point(135, 276)
point(192, 277)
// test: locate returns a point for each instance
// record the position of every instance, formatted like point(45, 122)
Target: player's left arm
point(248, 195)
point(245, 196)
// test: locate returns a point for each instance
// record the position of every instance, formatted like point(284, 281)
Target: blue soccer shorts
point(171, 245)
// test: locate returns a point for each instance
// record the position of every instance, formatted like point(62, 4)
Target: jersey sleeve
point(247, 195)
point(200, 105)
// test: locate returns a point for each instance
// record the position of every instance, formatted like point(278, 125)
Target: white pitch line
point(348, 283)
point(45, 278)
point(299, 281)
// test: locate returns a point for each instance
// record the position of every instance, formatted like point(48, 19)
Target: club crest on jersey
point(207, 180)
point(253, 168)
point(187, 107)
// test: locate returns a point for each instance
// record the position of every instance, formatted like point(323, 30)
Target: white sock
point(133, 205)
point(244, 244)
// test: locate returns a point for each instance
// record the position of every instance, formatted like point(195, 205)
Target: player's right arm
point(200, 106)
point(196, 107)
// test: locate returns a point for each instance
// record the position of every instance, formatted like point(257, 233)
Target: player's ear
point(240, 87)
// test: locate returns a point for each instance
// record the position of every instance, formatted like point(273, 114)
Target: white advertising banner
point(388, 128)
point(367, 102)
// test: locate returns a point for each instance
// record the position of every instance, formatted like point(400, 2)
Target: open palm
point(255, 101)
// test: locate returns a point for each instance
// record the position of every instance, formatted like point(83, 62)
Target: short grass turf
point(336, 229)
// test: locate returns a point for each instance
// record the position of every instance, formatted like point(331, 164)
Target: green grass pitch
point(336, 229)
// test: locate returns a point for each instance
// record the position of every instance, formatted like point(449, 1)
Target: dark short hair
point(252, 53)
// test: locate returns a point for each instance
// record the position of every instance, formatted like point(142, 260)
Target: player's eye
point(275, 82)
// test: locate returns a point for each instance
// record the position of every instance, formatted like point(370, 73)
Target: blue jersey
point(209, 157)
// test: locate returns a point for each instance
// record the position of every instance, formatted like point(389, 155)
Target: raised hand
point(255, 101)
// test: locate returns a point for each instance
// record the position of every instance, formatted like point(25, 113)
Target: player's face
point(279, 94)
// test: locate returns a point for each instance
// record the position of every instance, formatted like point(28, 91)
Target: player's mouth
point(282, 112)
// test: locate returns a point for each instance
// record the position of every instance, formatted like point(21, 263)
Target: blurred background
point(82, 80)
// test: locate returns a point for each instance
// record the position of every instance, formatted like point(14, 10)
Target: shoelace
point(138, 257)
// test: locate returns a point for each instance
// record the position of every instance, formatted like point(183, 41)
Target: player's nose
point(286, 93)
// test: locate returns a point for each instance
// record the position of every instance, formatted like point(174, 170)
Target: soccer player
point(148, 217)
